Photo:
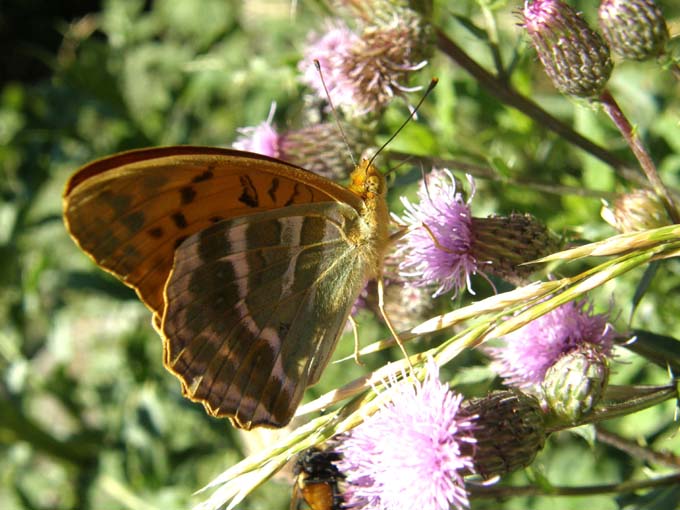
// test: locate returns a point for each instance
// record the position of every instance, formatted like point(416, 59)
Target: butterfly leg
point(355, 330)
point(390, 326)
point(434, 239)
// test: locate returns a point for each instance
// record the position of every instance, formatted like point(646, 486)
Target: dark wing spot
point(179, 241)
point(205, 176)
point(272, 189)
point(133, 221)
point(187, 194)
point(296, 192)
point(215, 219)
point(155, 232)
point(120, 204)
point(179, 219)
point(249, 195)
point(284, 327)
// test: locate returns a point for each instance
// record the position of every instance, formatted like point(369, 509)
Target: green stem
point(507, 95)
point(675, 69)
point(633, 449)
point(492, 33)
point(621, 401)
point(614, 111)
point(497, 491)
point(488, 173)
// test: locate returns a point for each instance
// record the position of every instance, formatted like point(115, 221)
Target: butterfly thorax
point(373, 235)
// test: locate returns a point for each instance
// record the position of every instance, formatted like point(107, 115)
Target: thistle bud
point(509, 431)
point(504, 243)
point(635, 29)
point(405, 305)
point(575, 57)
point(321, 149)
point(636, 211)
point(576, 382)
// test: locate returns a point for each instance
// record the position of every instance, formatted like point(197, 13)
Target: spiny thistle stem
point(637, 146)
point(507, 95)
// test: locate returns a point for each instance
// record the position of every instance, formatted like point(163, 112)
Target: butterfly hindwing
point(256, 304)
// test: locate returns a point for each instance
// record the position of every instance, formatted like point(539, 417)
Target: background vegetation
point(89, 418)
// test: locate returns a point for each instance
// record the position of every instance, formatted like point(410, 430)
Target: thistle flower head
point(509, 431)
point(528, 352)
point(330, 49)
point(437, 250)
point(405, 305)
point(506, 243)
point(364, 72)
point(576, 382)
point(445, 244)
point(261, 139)
point(408, 454)
point(635, 29)
point(636, 211)
point(575, 57)
point(322, 149)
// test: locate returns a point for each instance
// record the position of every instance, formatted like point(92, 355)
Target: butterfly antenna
point(335, 112)
point(430, 87)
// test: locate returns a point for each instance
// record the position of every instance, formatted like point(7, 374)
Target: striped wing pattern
point(255, 306)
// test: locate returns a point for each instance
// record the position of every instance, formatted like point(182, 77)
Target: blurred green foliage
point(89, 417)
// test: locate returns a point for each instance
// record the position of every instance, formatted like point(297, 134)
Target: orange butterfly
point(250, 265)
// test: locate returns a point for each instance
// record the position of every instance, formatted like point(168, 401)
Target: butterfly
point(317, 480)
point(250, 265)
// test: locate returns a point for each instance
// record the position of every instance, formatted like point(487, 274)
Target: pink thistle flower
point(410, 453)
point(530, 351)
point(261, 139)
point(330, 49)
point(364, 72)
point(437, 250)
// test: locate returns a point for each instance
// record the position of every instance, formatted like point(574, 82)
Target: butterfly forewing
point(253, 309)
point(131, 211)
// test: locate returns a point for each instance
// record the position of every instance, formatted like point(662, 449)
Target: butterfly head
point(367, 181)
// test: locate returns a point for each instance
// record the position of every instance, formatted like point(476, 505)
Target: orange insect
point(317, 480)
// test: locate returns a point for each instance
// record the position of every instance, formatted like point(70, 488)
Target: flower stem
point(675, 69)
point(499, 88)
point(614, 111)
point(621, 401)
point(633, 449)
point(498, 491)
